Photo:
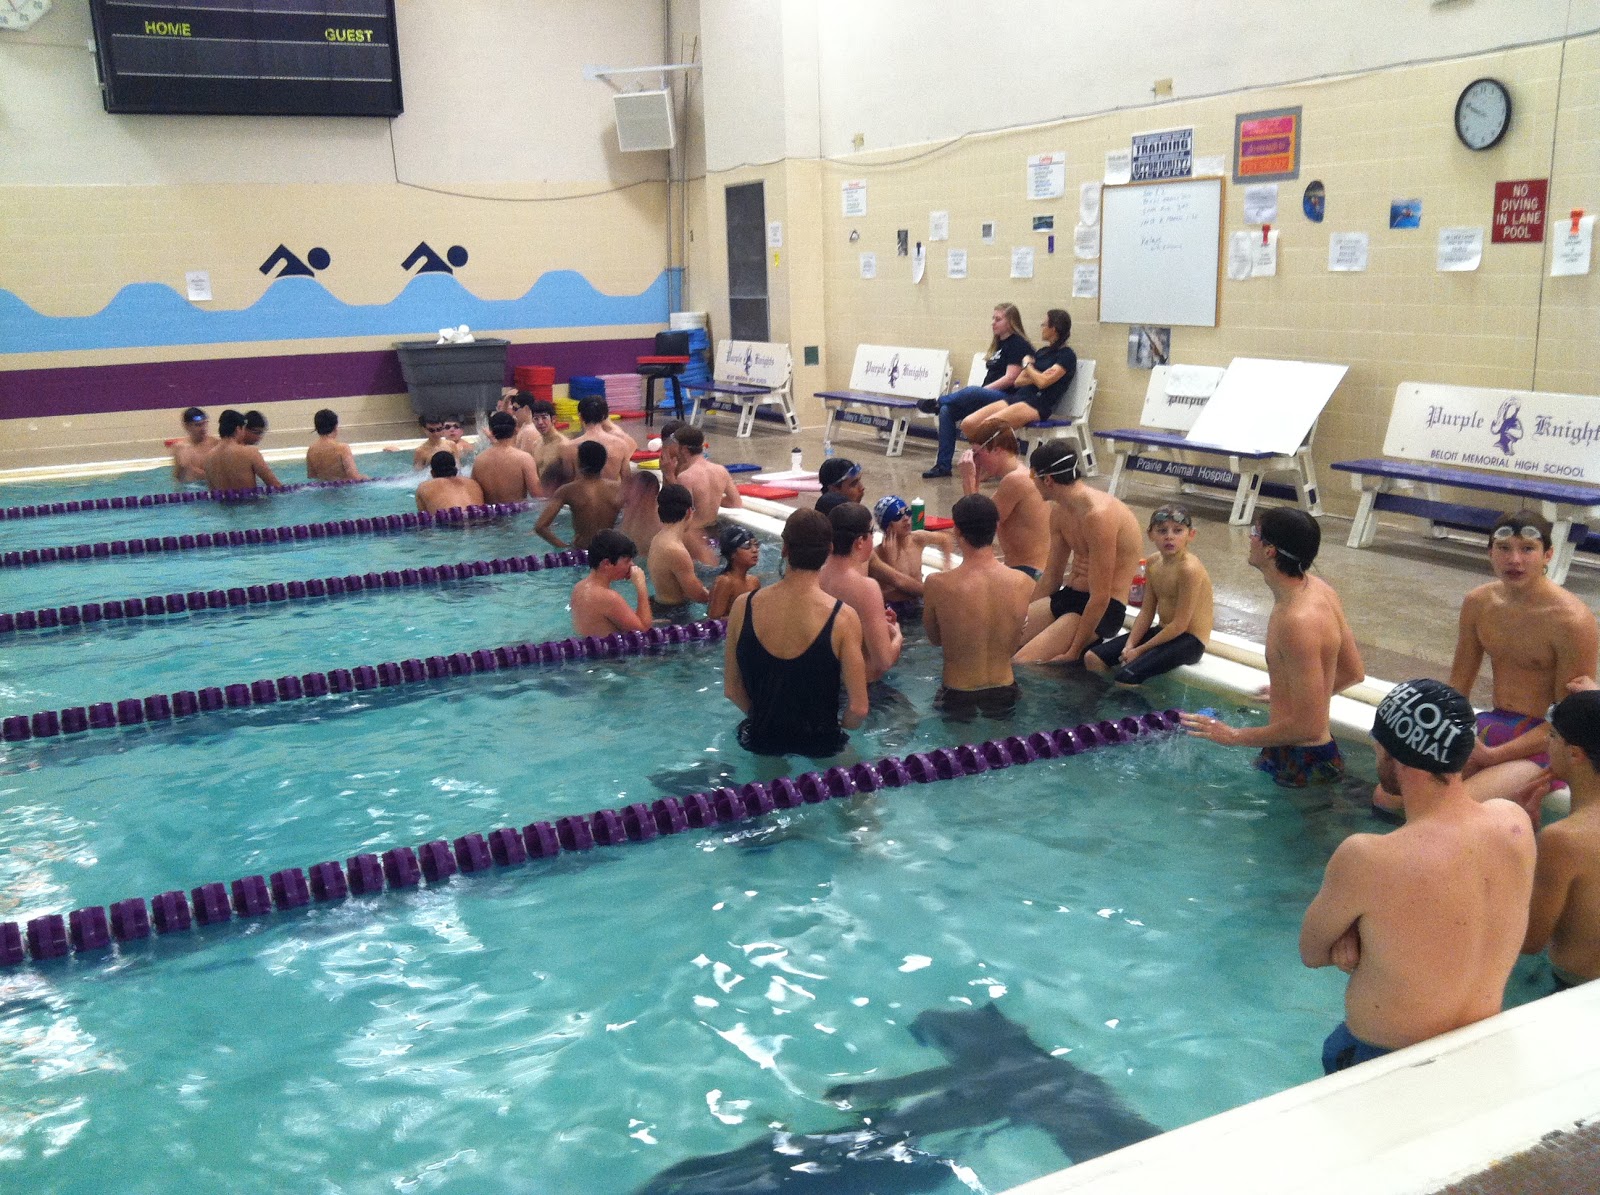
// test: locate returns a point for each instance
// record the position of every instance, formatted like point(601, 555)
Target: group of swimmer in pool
point(1427, 920)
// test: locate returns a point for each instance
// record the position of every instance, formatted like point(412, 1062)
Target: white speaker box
point(644, 120)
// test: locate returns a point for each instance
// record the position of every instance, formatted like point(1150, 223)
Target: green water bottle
point(919, 513)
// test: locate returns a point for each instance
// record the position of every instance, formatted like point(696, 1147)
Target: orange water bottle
point(1136, 592)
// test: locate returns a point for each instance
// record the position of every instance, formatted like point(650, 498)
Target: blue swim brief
point(1343, 1049)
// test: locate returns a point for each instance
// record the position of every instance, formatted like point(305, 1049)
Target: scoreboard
point(248, 57)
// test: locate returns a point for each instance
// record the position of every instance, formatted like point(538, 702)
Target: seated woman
point(1007, 350)
point(1041, 382)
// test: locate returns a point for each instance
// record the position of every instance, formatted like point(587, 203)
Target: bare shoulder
point(1571, 609)
point(1479, 599)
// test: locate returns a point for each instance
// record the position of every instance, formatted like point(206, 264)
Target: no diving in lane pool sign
point(1519, 212)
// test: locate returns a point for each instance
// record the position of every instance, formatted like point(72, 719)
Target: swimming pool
point(588, 1022)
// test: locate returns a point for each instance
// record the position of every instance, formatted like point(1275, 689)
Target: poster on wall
point(1239, 259)
point(1089, 203)
point(1460, 250)
point(938, 226)
point(853, 195)
point(198, 285)
point(1086, 241)
point(1167, 154)
point(1047, 175)
point(1347, 252)
point(1021, 261)
point(1086, 281)
point(1148, 346)
point(1261, 203)
point(956, 263)
point(1264, 254)
point(1266, 145)
point(1119, 167)
point(1574, 245)
point(1519, 211)
point(1405, 213)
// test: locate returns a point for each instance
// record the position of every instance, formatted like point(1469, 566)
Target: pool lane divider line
point(166, 498)
point(151, 545)
point(195, 600)
point(164, 707)
point(91, 930)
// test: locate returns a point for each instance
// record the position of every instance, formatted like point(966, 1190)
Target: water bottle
point(827, 448)
point(794, 458)
point(1136, 593)
point(919, 513)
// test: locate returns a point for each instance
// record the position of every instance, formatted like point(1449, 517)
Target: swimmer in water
point(446, 489)
point(506, 473)
point(328, 458)
point(236, 463)
point(897, 560)
point(595, 500)
point(670, 563)
point(189, 454)
point(597, 609)
point(433, 427)
point(549, 448)
point(742, 551)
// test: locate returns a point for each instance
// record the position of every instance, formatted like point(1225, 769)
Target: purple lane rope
point(166, 498)
point(91, 930)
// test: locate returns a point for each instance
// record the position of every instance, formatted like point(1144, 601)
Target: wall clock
point(1483, 113)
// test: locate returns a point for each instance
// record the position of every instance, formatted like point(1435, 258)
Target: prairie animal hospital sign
point(1553, 436)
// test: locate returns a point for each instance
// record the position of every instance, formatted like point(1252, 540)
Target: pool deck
point(1511, 1104)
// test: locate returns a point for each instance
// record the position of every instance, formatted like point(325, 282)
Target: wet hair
point(593, 409)
point(806, 538)
point(1014, 318)
point(1524, 518)
point(996, 435)
point(669, 429)
point(1061, 321)
point(850, 521)
point(591, 458)
point(1295, 536)
point(539, 406)
point(826, 502)
point(976, 517)
point(1055, 460)
point(674, 503)
point(523, 399)
point(194, 415)
point(609, 546)
point(229, 422)
point(255, 421)
point(424, 420)
point(1576, 718)
point(325, 421)
point(691, 439)
point(502, 425)
point(443, 463)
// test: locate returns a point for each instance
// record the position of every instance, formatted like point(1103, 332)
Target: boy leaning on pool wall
point(1178, 591)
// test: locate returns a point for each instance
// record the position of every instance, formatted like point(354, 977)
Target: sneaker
point(928, 406)
point(936, 471)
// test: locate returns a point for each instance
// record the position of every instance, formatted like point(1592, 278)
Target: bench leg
point(827, 428)
point(897, 436)
point(1244, 498)
point(747, 420)
point(1365, 528)
point(789, 416)
point(1561, 560)
point(697, 413)
point(1119, 463)
point(1310, 499)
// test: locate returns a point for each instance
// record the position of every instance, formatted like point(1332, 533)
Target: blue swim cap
point(889, 509)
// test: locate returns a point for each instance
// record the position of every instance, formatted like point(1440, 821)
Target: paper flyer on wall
point(1211, 166)
point(956, 263)
point(869, 265)
point(1047, 175)
point(198, 285)
point(1261, 203)
point(1086, 282)
point(1347, 252)
point(1119, 166)
point(1089, 203)
point(1573, 248)
point(775, 234)
point(919, 263)
point(1238, 256)
point(1264, 255)
point(1021, 261)
point(938, 226)
point(1460, 250)
point(853, 196)
point(1086, 241)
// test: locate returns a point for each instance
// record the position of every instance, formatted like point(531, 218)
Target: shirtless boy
point(896, 563)
point(519, 405)
point(446, 489)
point(506, 473)
point(1178, 591)
point(422, 458)
point(1538, 636)
point(550, 450)
point(597, 609)
point(1426, 920)
point(595, 416)
point(712, 487)
point(328, 458)
point(236, 463)
point(1565, 912)
point(595, 501)
point(844, 576)
point(1024, 535)
point(1311, 655)
point(1099, 537)
point(189, 454)
point(670, 563)
point(975, 612)
point(640, 522)
point(742, 553)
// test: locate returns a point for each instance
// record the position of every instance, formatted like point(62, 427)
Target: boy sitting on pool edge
point(1178, 590)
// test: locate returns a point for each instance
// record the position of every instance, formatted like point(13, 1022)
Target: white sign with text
point(1554, 436)
point(904, 373)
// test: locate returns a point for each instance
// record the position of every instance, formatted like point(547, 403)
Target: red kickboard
point(663, 360)
point(767, 491)
point(646, 455)
point(937, 523)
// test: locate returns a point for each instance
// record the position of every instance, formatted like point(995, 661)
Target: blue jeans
point(953, 408)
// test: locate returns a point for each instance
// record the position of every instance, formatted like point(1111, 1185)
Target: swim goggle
point(1172, 514)
point(1064, 470)
point(1508, 531)
point(1255, 533)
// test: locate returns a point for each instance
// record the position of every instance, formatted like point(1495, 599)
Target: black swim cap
point(1425, 724)
point(1576, 718)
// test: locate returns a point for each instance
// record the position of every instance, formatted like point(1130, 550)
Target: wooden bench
point(1162, 449)
point(748, 375)
point(1443, 427)
point(886, 384)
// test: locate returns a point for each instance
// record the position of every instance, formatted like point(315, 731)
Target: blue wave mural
point(150, 314)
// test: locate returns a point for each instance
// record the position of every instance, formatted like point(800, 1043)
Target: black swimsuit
point(794, 704)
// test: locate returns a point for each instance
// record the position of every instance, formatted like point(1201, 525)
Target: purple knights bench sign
point(1530, 432)
point(904, 373)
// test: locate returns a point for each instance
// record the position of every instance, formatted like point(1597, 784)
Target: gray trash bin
point(453, 379)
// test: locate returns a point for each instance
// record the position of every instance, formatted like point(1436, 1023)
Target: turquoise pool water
point(587, 1023)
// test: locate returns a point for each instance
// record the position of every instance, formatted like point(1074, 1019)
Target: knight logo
point(1507, 426)
point(749, 356)
point(894, 370)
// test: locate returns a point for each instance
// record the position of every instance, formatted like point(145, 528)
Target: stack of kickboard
point(538, 380)
point(624, 393)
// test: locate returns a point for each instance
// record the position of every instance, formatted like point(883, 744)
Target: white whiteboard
point(1264, 405)
point(1160, 246)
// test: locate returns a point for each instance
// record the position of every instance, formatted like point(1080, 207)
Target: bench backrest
point(1176, 393)
point(1075, 404)
point(753, 363)
point(904, 373)
point(1552, 436)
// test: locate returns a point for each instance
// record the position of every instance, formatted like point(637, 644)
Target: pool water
point(587, 1023)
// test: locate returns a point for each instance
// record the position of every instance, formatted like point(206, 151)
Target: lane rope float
point(165, 498)
point(91, 930)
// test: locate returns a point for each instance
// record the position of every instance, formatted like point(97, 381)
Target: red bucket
point(530, 377)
